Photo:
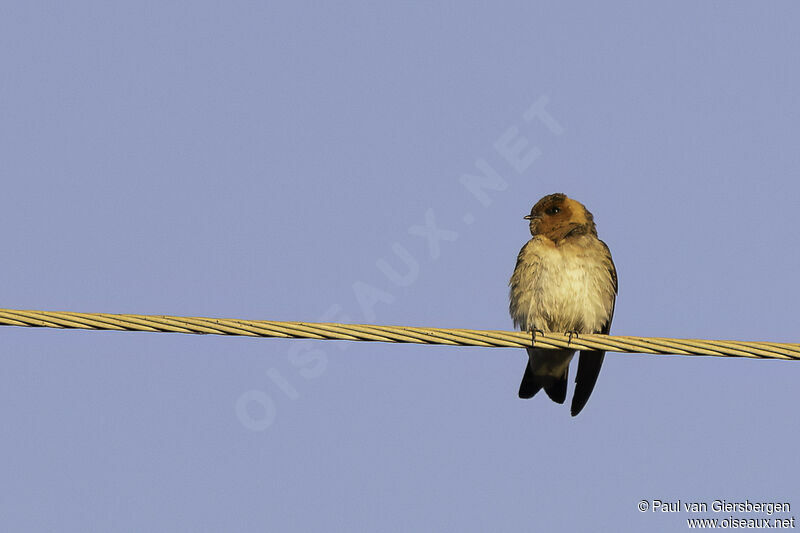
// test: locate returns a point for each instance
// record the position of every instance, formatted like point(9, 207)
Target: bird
point(564, 281)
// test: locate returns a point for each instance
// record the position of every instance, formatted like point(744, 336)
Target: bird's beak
point(528, 217)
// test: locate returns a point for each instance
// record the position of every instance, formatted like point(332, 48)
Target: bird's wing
point(589, 362)
point(528, 262)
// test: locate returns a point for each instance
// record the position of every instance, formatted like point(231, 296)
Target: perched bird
point(564, 282)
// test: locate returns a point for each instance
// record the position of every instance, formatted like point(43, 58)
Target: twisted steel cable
point(402, 334)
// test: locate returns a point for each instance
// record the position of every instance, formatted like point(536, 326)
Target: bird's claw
point(571, 334)
point(534, 331)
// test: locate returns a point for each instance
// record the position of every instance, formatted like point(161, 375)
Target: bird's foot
point(534, 331)
point(571, 334)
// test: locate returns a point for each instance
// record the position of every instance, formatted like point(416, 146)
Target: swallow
point(564, 282)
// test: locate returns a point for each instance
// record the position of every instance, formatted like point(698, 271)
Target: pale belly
point(561, 291)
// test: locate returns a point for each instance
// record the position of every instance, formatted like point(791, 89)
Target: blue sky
point(277, 161)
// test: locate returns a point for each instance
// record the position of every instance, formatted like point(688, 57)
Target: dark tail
point(556, 388)
point(588, 369)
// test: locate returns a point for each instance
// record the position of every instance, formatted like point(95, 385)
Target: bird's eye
point(553, 210)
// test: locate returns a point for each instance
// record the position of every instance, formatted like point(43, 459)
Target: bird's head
point(556, 216)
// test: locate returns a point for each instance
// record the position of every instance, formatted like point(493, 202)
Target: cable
point(403, 334)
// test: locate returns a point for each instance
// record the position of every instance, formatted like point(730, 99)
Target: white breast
point(562, 288)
